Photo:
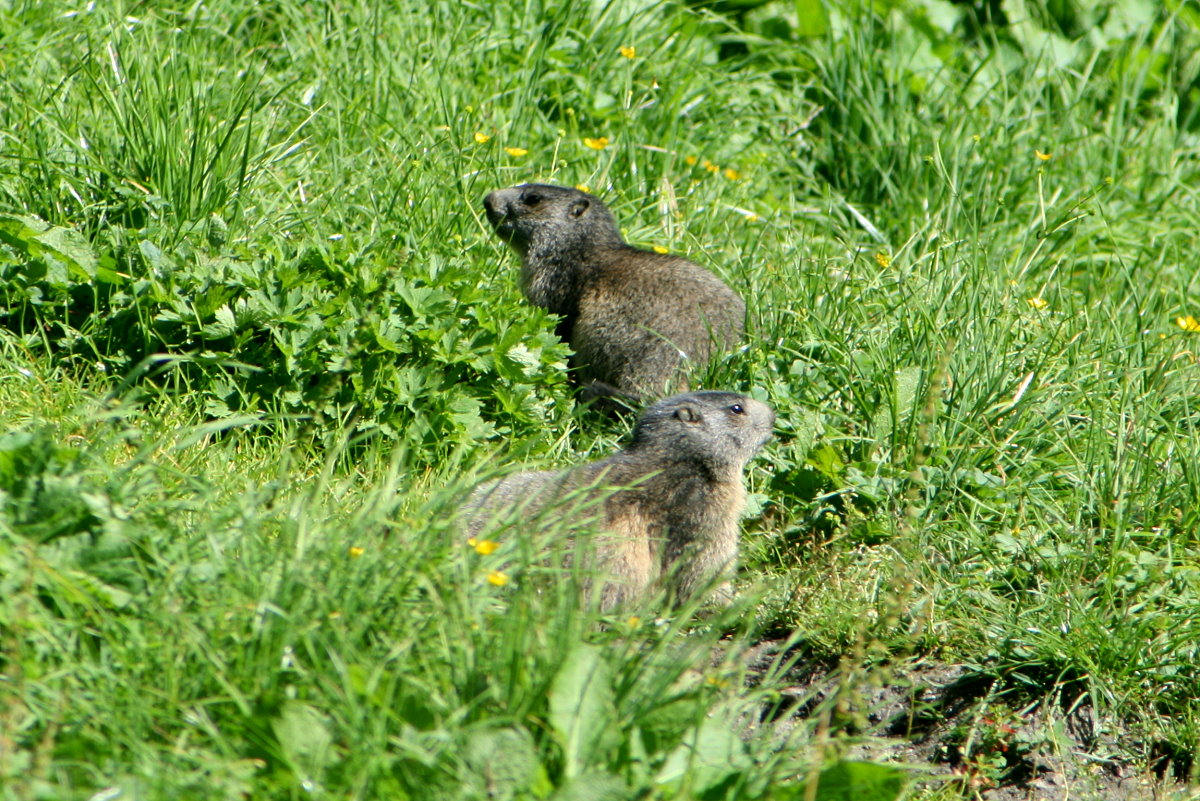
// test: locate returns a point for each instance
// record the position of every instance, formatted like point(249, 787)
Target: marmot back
point(681, 494)
point(634, 318)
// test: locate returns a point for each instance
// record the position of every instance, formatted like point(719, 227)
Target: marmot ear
point(579, 207)
point(688, 414)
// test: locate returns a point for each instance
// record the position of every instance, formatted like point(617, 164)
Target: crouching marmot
point(680, 493)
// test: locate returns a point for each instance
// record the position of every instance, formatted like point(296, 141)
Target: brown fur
point(679, 496)
point(634, 318)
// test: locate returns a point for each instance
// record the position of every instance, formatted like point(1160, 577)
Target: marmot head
point(720, 430)
point(549, 219)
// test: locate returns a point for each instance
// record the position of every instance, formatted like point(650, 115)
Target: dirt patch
point(958, 723)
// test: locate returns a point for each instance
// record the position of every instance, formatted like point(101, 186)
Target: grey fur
point(680, 494)
point(633, 317)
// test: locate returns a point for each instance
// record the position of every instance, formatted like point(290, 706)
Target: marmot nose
point(494, 205)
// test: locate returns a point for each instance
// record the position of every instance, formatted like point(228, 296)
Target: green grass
point(251, 318)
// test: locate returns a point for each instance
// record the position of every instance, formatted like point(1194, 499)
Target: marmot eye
point(532, 199)
point(737, 409)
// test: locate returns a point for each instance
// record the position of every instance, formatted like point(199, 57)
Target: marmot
point(680, 495)
point(633, 317)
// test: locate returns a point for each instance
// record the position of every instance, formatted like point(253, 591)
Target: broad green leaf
point(40, 240)
point(593, 787)
point(705, 758)
point(1046, 48)
point(502, 762)
point(224, 326)
point(225, 317)
point(465, 412)
point(859, 781)
point(828, 461)
point(15, 447)
point(603, 101)
point(806, 427)
point(304, 738)
point(899, 407)
point(581, 707)
point(154, 257)
point(811, 19)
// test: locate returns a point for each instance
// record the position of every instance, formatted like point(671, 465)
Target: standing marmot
point(631, 316)
point(681, 494)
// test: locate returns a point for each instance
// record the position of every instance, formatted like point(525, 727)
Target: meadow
point(257, 341)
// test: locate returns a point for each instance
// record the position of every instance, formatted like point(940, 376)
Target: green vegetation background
point(256, 340)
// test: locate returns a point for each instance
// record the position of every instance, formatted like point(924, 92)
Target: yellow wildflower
point(883, 259)
point(660, 249)
point(976, 137)
point(498, 579)
point(485, 547)
point(752, 217)
point(583, 187)
point(598, 143)
point(732, 174)
point(516, 151)
point(1189, 324)
point(1043, 156)
point(690, 160)
point(708, 165)
point(481, 137)
point(633, 622)
point(628, 52)
point(1038, 303)
point(356, 551)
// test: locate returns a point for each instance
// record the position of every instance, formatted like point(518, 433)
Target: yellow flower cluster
point(715, 169)
point(483, 547)
point(516, 152)
point(496, 578)
point(1189, 324)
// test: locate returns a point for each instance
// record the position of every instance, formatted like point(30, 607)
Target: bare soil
point(964, 725)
